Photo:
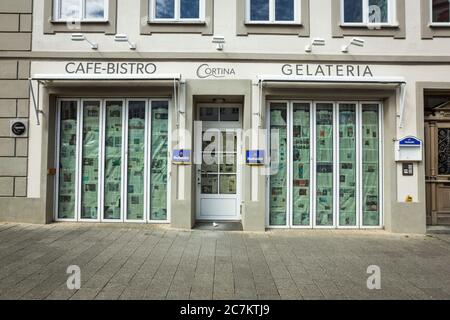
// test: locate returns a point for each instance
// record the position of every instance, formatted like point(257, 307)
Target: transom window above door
point(440, 12)
point(273, 11)
point(80, 10)
point(368, 12)
point(177, 10)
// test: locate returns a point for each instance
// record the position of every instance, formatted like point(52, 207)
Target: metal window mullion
point(314, 166)
point(289, 165)
point(311, 162)
point(122, 162)
point(358, 165)
point(147, 160)
point(125, 162)
point(79, 155)
point(101, 149)
point(335, 163)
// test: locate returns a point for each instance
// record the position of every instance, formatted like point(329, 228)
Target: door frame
point(239, 157)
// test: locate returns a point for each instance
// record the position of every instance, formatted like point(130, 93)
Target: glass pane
point(229, 141)
point(278, 153)
point(229, 114)
point(158, 179)
point(209, 114)
point(370, 162)
point(210, 142)
point(227, 184)
point(95, 9)
point(210, 164)
point(165, 9)
point(301, 164)
point(189, 9)
point(324, 143)
point(228, 163)
point(67, 160)
point(353, 11)
point(284, 10)
point(347, 165)
point(444, 151)
point(136, 151)
point(89, 171)
point(259, 10)
point(113, 160)
point(70, 9)
point(378, 11)
point(441, 9)
point(209, 183)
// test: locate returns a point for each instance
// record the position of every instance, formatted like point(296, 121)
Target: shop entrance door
point(437, 138)
point(218, 176)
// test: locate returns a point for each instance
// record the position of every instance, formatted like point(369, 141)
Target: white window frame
point(272, 20)
point(436, 24)
point(336, 172)
point(124, 163)
point(57, 12)
point(392, 16)
point(177, 13)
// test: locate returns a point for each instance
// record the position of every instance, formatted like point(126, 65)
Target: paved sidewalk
point(156, 262)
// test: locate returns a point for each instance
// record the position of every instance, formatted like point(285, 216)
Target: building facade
point(276, 113)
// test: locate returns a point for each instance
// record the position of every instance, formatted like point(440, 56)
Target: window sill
point(439, 25)
point(371, 26)
point(280, 24)
point(194, 23)
point(82, 22)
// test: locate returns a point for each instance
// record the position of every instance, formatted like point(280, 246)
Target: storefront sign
point(181, 156)
point(134, 68)
point(207, 71)
point(326, 70)
point(254, 157)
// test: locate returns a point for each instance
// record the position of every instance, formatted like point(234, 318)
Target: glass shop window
point(177, 10)
point(440, 10)
point(80, 10)
point(272, 11)
point(368, 12)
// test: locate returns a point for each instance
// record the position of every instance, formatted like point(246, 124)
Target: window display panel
point(113, 160)
point(347, 165)
point(136, 160)
point(370, 165)
point(67, 159)
point(90, 160)
point(301, 152)
point(324, 169)
point(159, 151)
point(278, 179)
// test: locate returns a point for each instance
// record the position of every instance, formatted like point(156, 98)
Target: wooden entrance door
point(437, 166)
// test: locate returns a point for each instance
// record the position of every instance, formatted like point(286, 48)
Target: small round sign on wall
point(18, 128)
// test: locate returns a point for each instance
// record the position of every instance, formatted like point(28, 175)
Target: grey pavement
point(122, 261)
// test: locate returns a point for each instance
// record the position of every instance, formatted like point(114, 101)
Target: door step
point(438, 229)
point(219, 225)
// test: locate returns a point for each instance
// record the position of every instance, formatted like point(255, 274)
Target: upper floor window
point(440, 12)
point(80, 10)
point(272, 11)
point(177, 10)
point(368, 12)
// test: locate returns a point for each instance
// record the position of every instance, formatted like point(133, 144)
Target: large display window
point(113, 160)
point(325, 164)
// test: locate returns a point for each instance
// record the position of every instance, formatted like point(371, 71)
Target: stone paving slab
point(156, 262)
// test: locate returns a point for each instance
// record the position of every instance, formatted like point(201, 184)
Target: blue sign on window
point(254, 157)
point(181, 156)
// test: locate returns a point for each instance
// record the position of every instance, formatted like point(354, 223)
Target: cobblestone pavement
point(156, 262)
